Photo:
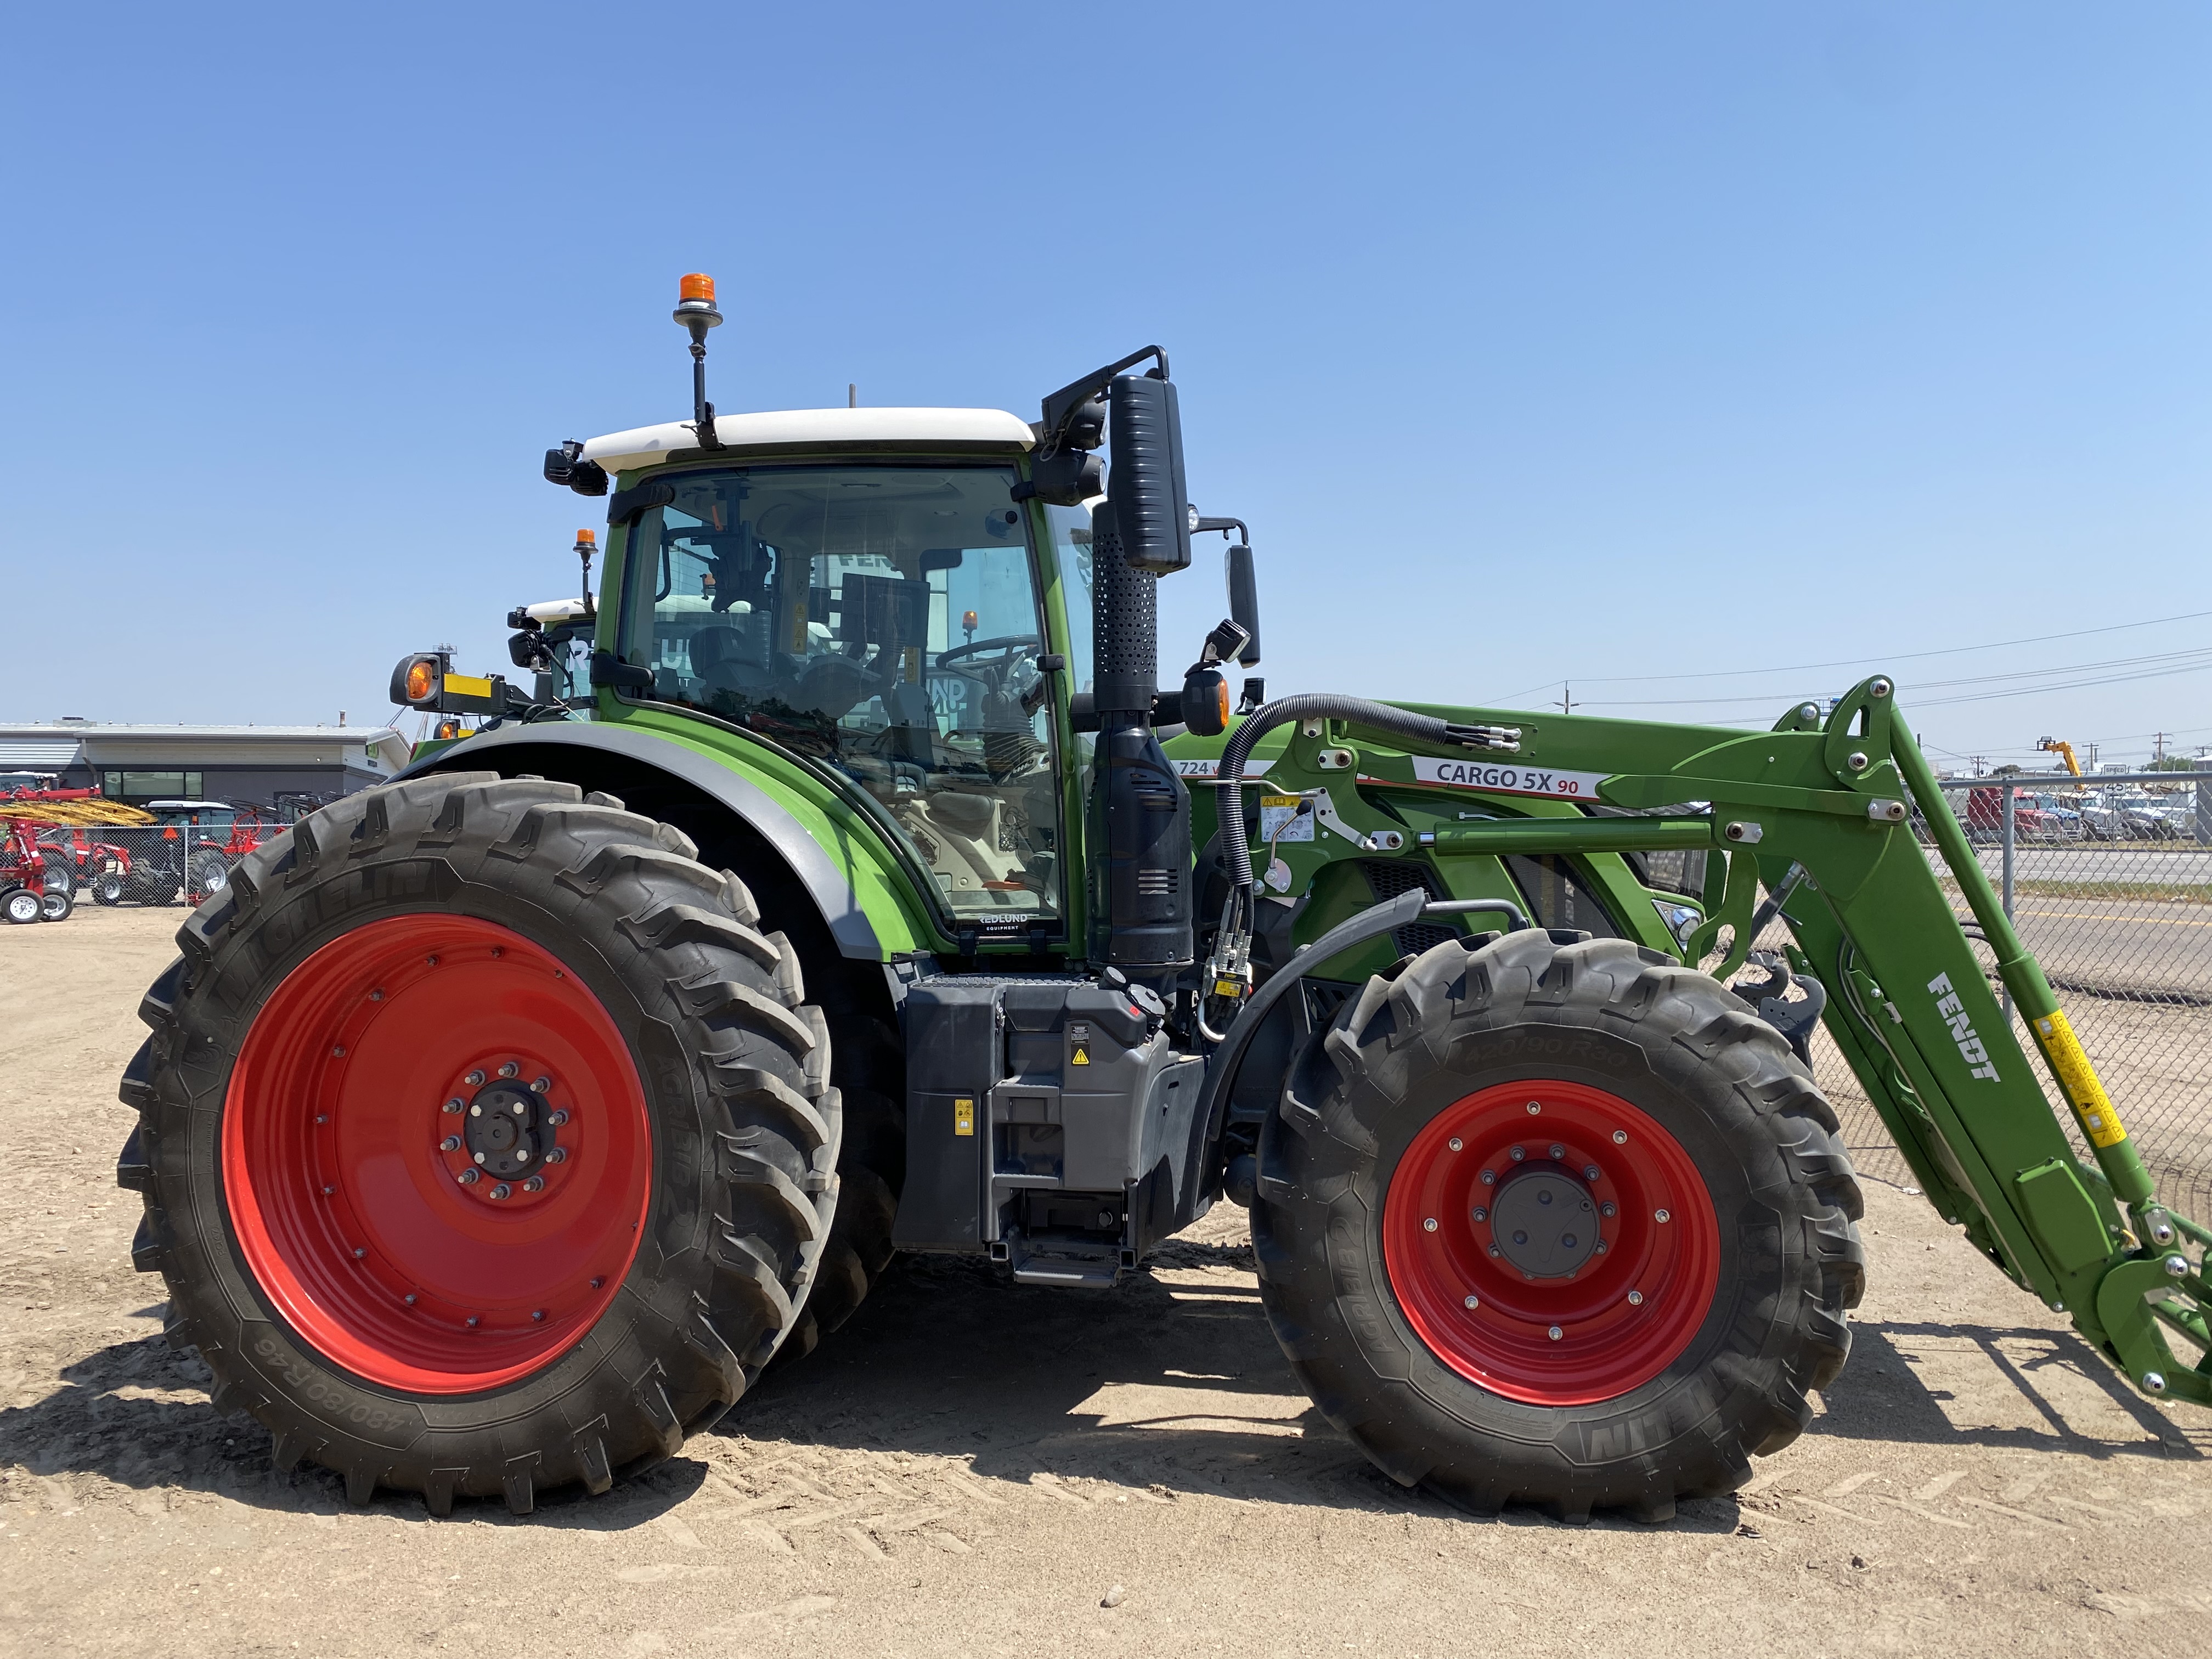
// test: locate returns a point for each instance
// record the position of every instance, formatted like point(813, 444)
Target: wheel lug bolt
point(1558, 1151)
point(534, 1184)
point(1636, 1298)
point(1589, 1172)
point(559, 1118)
point(558, 1155)
point(1660, 1215)
point(1453, 1143)
point(455, 1105)
point(1475, 1302)
point(337, 1051)
point(476, 1111)
point(1534, 1107)
point(1600, 1247)
point(538, 1313)
point(502, 1191)
point(1608, 1208)
point(468, 1177)
point(1489, 1177)
point(509, 1069)
point(1553, 1333)
point(598, 1283)
point(411, 1298)
point(1481, 1214)
point(1429, 1224)
point(1494, 1250)
point(539, 1086)
point(1518, 1154)
point(450, 1143)
point(480, 1157)
point(327, 1191)
point(1620, 1137)
point(358, 1252)
point(473, 1078)
point(474, 1321)
point(322, 1117)
point(521, 1110)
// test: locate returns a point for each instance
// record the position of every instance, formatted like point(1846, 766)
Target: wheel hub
point(507, 1147)
point(1544, 1224)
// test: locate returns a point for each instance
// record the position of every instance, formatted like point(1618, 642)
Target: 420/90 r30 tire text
point(487, 1143)
point(1557, 1221)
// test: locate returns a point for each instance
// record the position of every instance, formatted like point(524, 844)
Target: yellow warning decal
point(963, 1117)
point(467, 685)
point(1081, 1057)
point(2083, 1092)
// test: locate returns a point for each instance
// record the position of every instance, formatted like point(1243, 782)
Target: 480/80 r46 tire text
point(487, 1144)
point(1557, 1221)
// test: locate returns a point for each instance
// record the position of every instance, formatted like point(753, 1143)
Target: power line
point(1883, 659)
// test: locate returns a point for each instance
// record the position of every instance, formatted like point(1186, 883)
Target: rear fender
point(604, 754)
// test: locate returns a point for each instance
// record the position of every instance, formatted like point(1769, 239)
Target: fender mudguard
point(832, 893)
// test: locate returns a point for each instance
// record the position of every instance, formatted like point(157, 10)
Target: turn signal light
point(421, 679)
point(695, 285)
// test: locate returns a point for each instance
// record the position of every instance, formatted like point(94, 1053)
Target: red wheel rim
point(409, 1261)
point(1601, 1314)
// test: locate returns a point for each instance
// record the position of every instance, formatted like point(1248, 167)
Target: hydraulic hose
point(1327, 705)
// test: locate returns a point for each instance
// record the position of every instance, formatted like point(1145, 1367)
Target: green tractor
point(501, 1124)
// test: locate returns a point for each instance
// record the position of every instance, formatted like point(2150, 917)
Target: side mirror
point(1152, 508)
point(1244, 599)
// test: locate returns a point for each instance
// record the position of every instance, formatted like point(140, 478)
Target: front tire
point(487, 1143)
point(1557, 1221)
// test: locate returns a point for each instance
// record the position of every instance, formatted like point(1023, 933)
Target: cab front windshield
point(883, 621)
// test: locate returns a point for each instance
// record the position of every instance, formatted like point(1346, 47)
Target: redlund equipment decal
point(1505, 780)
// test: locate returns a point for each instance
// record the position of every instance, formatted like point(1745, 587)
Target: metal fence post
point(2204, 814)
point(2010, 841)
point(2008, 844)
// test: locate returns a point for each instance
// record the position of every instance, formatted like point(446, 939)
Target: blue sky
point(1588, 342)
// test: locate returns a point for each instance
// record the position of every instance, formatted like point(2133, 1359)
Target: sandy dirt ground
point(971, 1468)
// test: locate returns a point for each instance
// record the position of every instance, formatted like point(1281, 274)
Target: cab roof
point(777, 431)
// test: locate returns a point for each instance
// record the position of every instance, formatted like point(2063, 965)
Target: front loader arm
point(1910, 1003)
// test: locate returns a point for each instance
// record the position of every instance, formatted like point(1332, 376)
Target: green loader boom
point(1819, 813)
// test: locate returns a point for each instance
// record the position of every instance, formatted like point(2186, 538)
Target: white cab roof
point(643, 446)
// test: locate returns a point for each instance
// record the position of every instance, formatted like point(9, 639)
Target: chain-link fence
point(2108, 879)
point(181, 858)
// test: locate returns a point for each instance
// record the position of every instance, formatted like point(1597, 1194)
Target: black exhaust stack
point(1139, 812)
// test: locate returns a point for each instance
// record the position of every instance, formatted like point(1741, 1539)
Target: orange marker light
point(968, 621)
point(420, 683)
point(696, 285)
point(588, 538)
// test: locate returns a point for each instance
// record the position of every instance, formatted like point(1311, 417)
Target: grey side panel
point(823, 881)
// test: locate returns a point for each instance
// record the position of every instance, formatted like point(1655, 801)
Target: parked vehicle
point(2030, 819)
point(33, 886)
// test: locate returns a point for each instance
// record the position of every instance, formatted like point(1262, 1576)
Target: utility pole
point(2157, 747)
point(1566, 703)
point(1978, 763)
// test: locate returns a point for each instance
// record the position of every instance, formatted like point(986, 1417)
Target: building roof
point(643, 446)
point(131, 744)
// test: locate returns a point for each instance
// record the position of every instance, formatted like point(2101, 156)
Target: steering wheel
point(1011, 648)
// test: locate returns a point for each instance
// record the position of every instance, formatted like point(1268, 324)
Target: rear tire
point(107, 888)
point(20, 905)
point(210, 873)
point(1646, 1359)
point(56, 903)
point(350, 964)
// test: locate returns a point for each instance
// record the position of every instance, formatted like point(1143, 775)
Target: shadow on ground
point(1176, 1386)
